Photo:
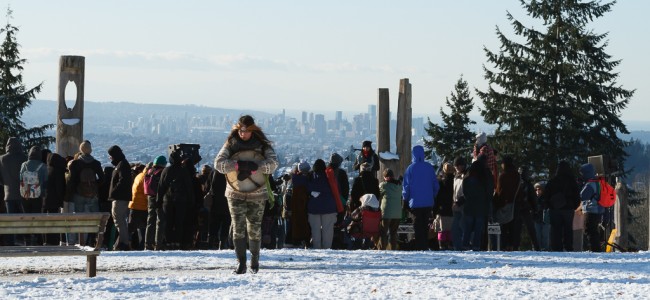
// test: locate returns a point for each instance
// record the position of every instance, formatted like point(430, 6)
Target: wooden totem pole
point(69, 122)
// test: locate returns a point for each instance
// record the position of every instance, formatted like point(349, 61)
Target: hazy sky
point(298, 55)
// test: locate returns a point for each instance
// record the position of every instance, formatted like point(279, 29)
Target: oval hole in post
point(70, 94)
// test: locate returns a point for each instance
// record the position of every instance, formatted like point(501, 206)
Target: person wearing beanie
point(341, 176)
point(365, 183)
point(160, 161)
point(367, 155)
point(86, 175)
point(481, 148)
point(156, 221)
point(391, 210)
point(246, 208)
point(119, 194)
point(85, 147)
point(541, 217)
point(590, 194)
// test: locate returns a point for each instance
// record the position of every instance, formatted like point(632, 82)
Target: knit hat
point(304, 167)
point(366, 144)
point(85, 147)
point(481, 138)
point(160, 161)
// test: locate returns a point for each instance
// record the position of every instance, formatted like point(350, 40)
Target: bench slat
point(48, 229)
point(53, 216)
point(55, 223)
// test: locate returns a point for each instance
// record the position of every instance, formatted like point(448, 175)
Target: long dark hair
point(248, 122)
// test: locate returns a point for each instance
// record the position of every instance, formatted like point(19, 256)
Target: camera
point(186, 151)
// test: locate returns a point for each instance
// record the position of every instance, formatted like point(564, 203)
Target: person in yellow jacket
point(138, 208)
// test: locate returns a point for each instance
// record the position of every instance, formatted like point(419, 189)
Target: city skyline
point(289, 54)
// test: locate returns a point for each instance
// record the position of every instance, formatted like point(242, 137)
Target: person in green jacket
point(391, 210)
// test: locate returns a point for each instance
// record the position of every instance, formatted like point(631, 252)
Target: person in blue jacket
point(419, 190)
point(589, 195)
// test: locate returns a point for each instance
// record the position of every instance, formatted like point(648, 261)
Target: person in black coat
point(219, 212)
point(562, 195)
point(53, 201)
point(175, 196)
point(365, 183)
point(119, 193)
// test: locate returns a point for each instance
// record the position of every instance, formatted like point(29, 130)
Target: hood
point(369, 200)
point(587, 171)
point(116, 153)
point(87, 158)
point(35, 153)
point(336, 160)
point(14, 145)
point(175, 158)
point(418, 154)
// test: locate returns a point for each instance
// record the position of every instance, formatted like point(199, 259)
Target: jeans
point(561, 229)
point(152, 218)
point(543, 230)
point(457, 230)
point(474, 228)
point(85, 204)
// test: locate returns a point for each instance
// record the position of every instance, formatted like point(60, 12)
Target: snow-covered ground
point(332, 274)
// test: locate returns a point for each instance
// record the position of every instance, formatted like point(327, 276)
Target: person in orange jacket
point(138, 208)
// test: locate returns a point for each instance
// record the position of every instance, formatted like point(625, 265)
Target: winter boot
point(255, 255)
point(240, 251)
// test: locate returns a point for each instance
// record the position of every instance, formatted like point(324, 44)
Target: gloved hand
point(242, 175)
point(247, 166)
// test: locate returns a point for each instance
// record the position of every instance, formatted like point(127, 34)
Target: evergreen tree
point(14, 97)
point(453, 138)
point(555, 97)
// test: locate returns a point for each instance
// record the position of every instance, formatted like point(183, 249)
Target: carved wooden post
point(383, 135)
point(404, 124)
point(620, 213)
point(69, 122)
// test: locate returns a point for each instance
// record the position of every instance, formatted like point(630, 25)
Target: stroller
point(364, 225)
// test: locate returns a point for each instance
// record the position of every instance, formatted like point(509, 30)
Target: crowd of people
point(237, 204)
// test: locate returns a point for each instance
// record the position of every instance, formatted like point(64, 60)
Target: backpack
point(607, 193)
point(30, 185)
point(151, 180)
point(87, 181)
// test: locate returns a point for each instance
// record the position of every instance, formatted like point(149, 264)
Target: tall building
point(372, 116)
point(339, 119)
point(320, 126)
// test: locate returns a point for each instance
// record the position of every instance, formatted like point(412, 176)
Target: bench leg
point(91, 265)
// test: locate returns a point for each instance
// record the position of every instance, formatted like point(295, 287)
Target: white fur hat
point(481, 138)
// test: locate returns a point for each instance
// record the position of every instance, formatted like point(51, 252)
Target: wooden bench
point(55, 223)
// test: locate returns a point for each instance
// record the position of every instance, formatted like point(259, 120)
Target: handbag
point(506, 213)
